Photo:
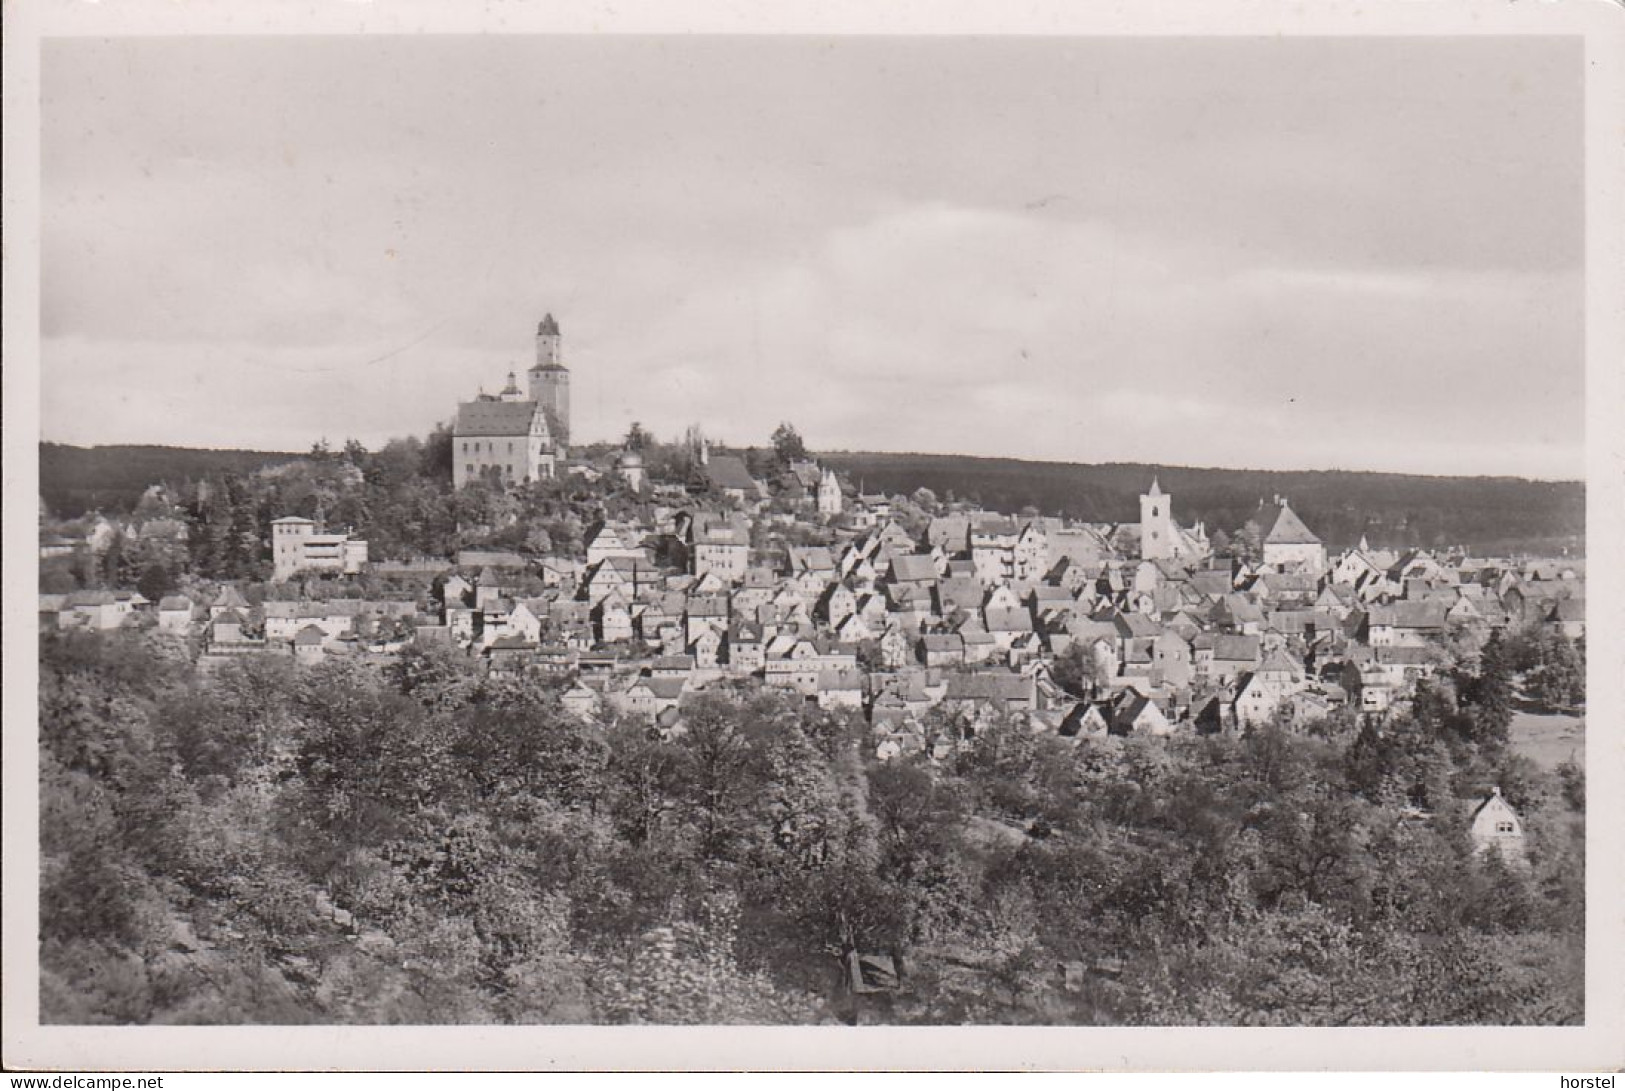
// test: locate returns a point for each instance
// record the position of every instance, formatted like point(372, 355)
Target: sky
point(1281, 253)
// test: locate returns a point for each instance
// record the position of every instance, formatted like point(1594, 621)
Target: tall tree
point(787, 444)
point(638, 438)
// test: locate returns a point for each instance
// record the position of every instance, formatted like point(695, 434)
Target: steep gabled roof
point(1230, 648)
point(1279, 662)
point(1409, 615)
point(231, 597)
point(1014, 619)
point(498, 418)
point(1283, 527)
point(729, 472)
point(914, 567)
point(988, 686)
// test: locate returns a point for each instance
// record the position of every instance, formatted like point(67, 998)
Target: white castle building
point(514, 436)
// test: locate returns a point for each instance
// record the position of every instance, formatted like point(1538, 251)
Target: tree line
point(1486, 515)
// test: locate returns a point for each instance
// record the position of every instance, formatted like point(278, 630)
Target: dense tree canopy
point(425, 843)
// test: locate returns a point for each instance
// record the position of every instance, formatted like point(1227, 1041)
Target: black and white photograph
point(925, 526)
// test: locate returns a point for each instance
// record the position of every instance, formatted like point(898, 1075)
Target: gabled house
point(705, 612)
point(1403, 623)
point(651, 696)
point(942, 650)
point(1265, 691)
point(1135, 713)
point(309, 645)
point(707, 648)
point(997, 691)
point(1288, 543)
point(840, 689)
point(581, 701)
point(1087, 720)
point(612, 619)
point(1497, 828)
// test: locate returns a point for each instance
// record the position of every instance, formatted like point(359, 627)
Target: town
point(497, 726)
point(927, 619)
point(601, 523)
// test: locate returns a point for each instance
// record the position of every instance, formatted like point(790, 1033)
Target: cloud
point(1213, 252)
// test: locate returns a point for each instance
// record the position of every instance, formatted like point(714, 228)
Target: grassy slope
point(1549, 739)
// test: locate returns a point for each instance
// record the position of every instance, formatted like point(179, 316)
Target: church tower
point(1156, 524)
point(830, 499)
point(550, 381)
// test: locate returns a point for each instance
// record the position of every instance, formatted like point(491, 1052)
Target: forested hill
point(1486, 514)
point(74, 480)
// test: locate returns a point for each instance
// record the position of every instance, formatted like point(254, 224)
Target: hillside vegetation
point(74, 480)
point(1484, 514)
point(430, 844)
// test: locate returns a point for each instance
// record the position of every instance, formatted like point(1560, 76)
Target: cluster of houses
point(925, 634)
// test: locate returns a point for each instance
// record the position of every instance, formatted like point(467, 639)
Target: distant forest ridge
point(74, 480)
point(1484, 514)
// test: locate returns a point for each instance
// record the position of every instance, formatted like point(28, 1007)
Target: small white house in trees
point(1496, 827)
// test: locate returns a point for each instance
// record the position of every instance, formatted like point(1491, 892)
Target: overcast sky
point(1279, 253)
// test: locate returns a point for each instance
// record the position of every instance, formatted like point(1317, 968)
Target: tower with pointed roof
point(1156, 524)
point(830, 499)
point(550, 380)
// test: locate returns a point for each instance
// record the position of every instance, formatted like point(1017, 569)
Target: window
point(469, 468)
point(465, 446)
point(1505, 827)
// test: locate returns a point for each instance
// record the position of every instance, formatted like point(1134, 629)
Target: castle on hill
point(517, 436)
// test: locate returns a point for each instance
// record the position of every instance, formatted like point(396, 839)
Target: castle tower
point(1156, 524)
point(550, 381)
